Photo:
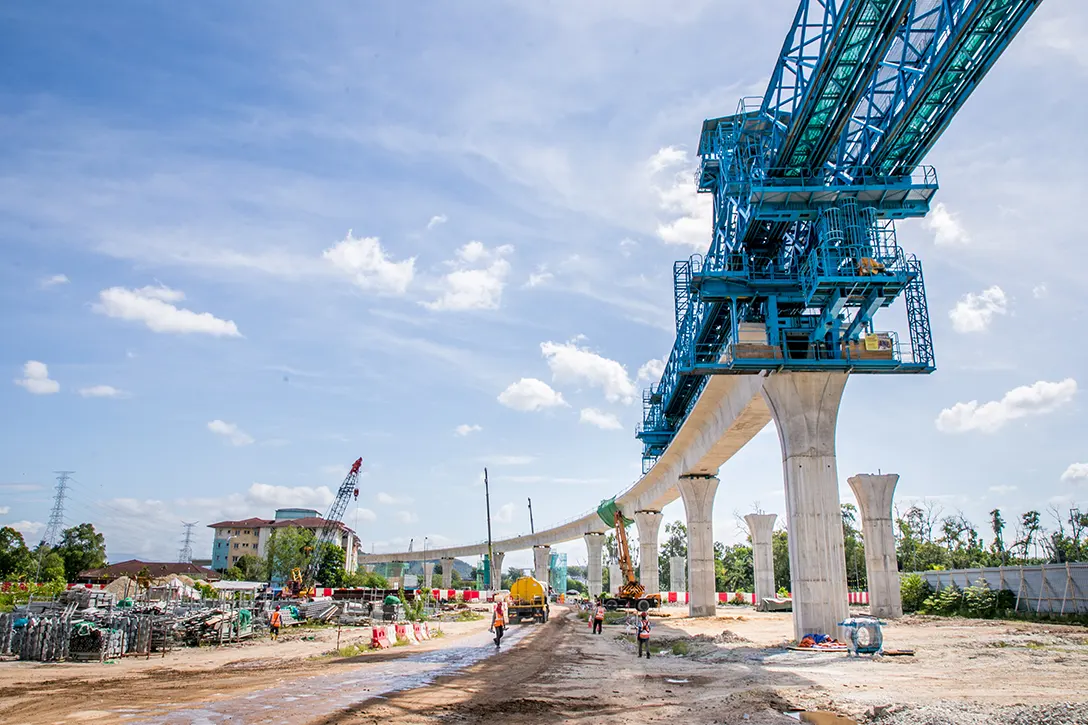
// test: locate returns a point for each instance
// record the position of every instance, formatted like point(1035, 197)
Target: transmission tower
point(56, 516)
point(185, 556)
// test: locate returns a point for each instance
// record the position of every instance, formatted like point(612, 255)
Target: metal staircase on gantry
point(807, 183)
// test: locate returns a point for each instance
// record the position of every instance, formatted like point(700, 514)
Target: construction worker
point(275, 622)
point(498, 623)
point(642, 630)
point(598, 618)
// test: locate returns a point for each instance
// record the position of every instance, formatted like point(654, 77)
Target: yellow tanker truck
point(528, 600)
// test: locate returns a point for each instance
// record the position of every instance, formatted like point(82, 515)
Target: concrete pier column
point(496, 571)
point(594, 546)
point(805, 408)
point(874, 495)
point(761, 527)
point(649, 527)
point(614, 578)
point(678, 574)
point(541, 557)
point(428, 574)
point(447, 572)
point(698, 495)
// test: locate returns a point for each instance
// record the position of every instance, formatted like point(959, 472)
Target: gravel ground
point(951, 713)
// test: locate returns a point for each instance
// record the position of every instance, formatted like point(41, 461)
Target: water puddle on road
point(303, 698)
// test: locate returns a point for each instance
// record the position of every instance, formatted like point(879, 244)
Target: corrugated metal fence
point(1044, 588)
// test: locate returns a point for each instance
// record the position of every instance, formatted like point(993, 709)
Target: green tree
point(733, 568)
point(53, 568)
point(251, 568)
point(997, 525)
point(854, 548)
point(577, 585)
point(81, 548)
point(330, 571)
point(16, 561)
point(289, 547)
point(780, 548)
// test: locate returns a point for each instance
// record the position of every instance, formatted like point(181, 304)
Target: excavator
point(631, 594)
point(301, 584)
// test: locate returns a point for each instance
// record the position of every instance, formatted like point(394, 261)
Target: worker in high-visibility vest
point(498, 623)
point(598, 618)
point(275, 622)
point(642, 630)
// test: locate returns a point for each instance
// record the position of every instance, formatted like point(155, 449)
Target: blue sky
point(251, 242)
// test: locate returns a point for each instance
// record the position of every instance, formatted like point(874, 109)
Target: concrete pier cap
point(805, 409)
point(542, 555)
point(761, 527)
point(874, 494)
point(649, 530)
point(594, 546)
point(698, 495)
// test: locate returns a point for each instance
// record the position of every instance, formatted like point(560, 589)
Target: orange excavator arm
point(624, 551)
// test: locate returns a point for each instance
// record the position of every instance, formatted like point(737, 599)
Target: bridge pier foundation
point(496, 571)
point(698, 495)
point(649, 528)
point(874, 495)
point(805, 408)
point(428, 574)
point(541, 558)
point(594, 546)
point(761, 527)
point(447, 572)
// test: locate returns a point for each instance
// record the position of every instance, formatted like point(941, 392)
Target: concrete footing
point(698, 495)
point(594, 546)
point(761, 527)
point(649, 528)
point(874, 494)
point(447, 573)
point(805, 408)
point(541, 560)
point(428, 575)
point(678, 574)
point(496, 571)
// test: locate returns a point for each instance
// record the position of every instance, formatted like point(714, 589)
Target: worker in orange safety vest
point(275, 622)
point(643, 630)
point(498, 623)
point(598, 618)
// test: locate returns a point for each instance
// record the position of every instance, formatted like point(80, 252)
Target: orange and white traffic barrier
point(379, 639)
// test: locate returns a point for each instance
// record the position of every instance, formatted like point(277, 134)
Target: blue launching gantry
point(807, 183)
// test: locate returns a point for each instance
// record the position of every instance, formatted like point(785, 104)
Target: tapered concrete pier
point(447, 572)
point(615, 577)
point(496, 571)
point(649, 529)
point(428, 575)
point(698, 495)
point(594, 546)
point(541, 559)
point(761, 527)
point(805, 408)
point(874, 494)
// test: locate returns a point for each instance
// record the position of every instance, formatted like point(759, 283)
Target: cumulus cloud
point(53, 281)
point(153, 307)
point(4, 510)
point(509, 460)
point(690, 213)
point(1076, 473)
point(29, 530)
point(539, 277)
point(1038, 291)
point(975, 312)
point(272, 497)
point(407, 517)
point(36, 379)
point(530, 394)
point(572, 364)
point(477, 280)
point(607, 421)
point(651, 370)
point(232, 432)
point(366, 514)
point(946, 226)
point(436, 220)
point(366, 262)
point(505, 514)
point(102, 391)
point(1037, 399)
point(464, 429)
point(391, 500)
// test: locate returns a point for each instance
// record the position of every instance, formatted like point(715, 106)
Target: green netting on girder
point(607, 511)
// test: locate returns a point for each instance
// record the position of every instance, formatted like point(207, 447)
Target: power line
point(185, 556)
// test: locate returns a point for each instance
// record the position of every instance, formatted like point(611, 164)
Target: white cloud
point(505, 514)
point(53, 281)
point(29, 529)
point(151, 305)
point(267, 496)
point(4, 510)
point(364, 259)
point(1036, 399)
point(651, 370)
point(102, 391)
point(572, 364)
point(691, 212)
point(407, 517)
point(464, 429)
point(1039, 291)
point(539, 277)
point(607, 421)
point(975, 312)
point(1076, 473)
point(530, 394)
point(509, 460)
point(365, 514)
point(391, 500)
point(470, 286)
point(36, 379)
point(237, 436)
point(436, 220)
point(945, 226)
point(1002, 489)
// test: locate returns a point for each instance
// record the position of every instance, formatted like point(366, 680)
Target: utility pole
point(531, 529)
point(490, 550)
point(185, 556)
